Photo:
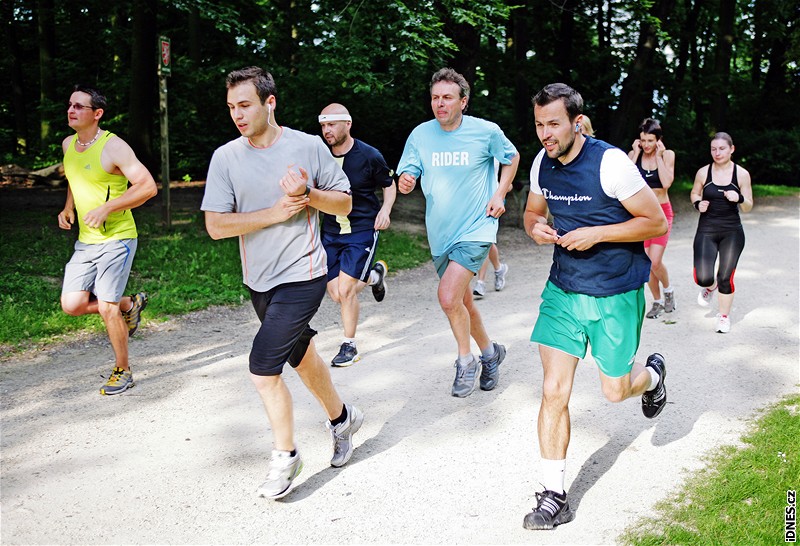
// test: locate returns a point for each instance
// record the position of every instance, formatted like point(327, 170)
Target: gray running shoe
point(490, 372)
point(551, 510)
point(342, 435)
point(655, 311)
point(669, 302)
point(133, 316)
point(283, 469)
point(119, 381)
point(500, 277)
point(479, 291)
point(348, 354)
point(379, 288)
point(466, 378)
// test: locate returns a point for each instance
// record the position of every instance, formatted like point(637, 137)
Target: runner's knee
point(725, 284)
point(614, 392)
point(703, 278)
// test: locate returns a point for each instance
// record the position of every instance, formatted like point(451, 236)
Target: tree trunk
point(194, 36)
point(47, 81)
point(17, 81)
point(602, 113)
point(467, 40)
point(522, 93)
point(564, 41)
point(143, 90)
point(758, 42)
point(687, 37)
point(722, 61)
point(636, 98)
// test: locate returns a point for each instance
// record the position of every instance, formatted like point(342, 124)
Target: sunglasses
point(79, 107)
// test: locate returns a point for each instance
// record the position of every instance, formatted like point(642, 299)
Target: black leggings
point(729, 245)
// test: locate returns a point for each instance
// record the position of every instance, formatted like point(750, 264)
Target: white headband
point(334, 117)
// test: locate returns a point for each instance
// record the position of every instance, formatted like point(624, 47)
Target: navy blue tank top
point(721, 215)
point(576, 199)
point(651, 177)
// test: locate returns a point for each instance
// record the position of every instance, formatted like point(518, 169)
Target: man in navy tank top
point(602, 211)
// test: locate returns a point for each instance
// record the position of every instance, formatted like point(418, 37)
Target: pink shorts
point(667, 208)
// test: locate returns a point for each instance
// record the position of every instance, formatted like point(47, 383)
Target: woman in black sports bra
point(657, 166)
point(720, 190)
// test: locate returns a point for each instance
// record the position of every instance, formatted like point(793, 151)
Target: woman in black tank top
point(656, 164)
point(720, 190)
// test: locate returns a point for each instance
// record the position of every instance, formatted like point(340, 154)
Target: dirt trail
point(178, 458)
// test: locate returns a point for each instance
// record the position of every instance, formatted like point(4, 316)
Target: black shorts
point(285, 312)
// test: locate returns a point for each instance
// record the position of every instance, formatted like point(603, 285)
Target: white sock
point(488, 352)
point(465, 359)
point(553, 474)
point(374, 277)
point(654, 377)
point(668, 289)
point(659, 301)
point(350, 340)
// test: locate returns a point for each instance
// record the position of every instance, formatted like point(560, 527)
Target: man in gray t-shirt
point(266, 188)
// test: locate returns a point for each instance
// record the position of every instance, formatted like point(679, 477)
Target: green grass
point(740, 498)
point(182, 270)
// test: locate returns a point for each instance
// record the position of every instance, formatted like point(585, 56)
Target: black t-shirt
point(367, 171)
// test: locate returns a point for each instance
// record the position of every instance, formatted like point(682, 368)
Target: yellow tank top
point(92, 186)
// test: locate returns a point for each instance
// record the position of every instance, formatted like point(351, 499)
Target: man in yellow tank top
point(99, 165)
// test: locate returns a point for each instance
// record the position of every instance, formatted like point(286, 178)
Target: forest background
point(700, 66)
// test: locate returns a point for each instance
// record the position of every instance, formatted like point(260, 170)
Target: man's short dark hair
point(97, 99)
point(450, 75)
point(263, 80)
point(573, 101)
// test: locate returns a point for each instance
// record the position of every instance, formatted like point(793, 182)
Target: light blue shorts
point(470, 254)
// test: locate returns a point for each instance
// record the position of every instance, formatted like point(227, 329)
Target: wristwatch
point(308, 190)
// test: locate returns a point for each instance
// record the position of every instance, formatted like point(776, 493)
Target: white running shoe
point(723, 324)
point(283, 469)
point(704, 297)
point(500, 277)
point(480, 290)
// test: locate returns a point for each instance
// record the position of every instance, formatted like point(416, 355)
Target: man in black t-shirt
point(351, 241)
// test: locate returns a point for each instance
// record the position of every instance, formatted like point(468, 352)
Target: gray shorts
point(100, 269)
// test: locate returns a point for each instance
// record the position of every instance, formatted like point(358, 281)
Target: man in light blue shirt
point(453, 156)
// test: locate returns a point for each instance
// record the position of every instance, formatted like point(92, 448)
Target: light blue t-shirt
point(458, 178)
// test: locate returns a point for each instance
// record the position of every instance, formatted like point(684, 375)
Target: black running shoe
point(379, 288)
point(653, 401)
point(551, 509)
point(348, 355)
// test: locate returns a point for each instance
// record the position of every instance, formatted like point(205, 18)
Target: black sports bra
point(651, 177)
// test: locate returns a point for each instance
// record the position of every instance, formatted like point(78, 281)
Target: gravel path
point(177, 459)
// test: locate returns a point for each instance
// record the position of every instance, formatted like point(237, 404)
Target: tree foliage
point(699, 65)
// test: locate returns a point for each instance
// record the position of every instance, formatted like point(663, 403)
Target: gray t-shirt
point(242, 178)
